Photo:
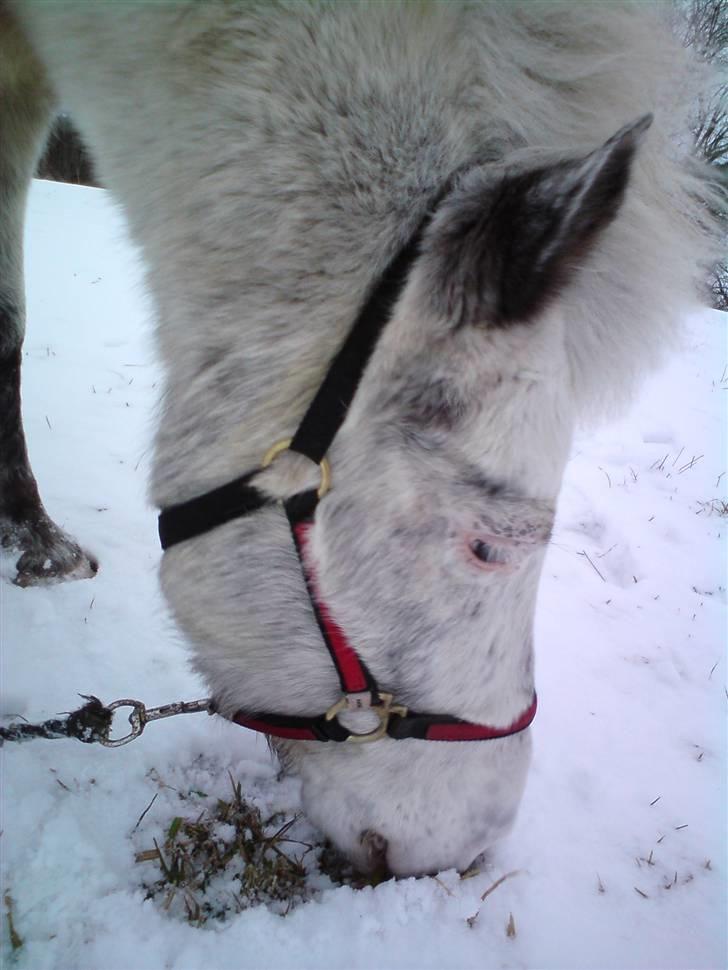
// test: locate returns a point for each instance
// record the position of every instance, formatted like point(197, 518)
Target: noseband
point(240, 497)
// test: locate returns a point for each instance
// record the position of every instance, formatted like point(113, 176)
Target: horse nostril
point(375, 848)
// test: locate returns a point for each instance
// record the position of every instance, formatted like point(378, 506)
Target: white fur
point(270, 160)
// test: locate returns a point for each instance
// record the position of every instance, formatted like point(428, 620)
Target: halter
point(240, 497)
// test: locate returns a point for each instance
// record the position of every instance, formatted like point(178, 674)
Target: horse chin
point(414, 808)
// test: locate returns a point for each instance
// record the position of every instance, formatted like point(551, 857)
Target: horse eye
point(487, 553)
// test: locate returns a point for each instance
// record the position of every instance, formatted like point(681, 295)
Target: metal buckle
point(324, 467)
point(384, 710)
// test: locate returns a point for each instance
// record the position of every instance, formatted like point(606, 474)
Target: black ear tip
point(638, 128)
point(505, 249)
point(643, 123)
point(633, 133)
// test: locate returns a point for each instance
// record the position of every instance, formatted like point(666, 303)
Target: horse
point(396, 252)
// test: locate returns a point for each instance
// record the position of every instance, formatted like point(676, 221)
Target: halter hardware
point(363, 701)
point(284, 445)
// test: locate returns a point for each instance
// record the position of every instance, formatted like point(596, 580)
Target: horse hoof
point(65, 561)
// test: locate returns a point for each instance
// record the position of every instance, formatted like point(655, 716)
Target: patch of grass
point(228, 858)
point(224, 860)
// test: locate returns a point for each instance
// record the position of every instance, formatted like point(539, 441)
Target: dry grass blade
point(15, 939)
point(148, 855)
point(145, 812)
point(498, 882)
point(689, 464)
point(591, 563)
point(442, 885)
point(511, 927)
point(715, 506)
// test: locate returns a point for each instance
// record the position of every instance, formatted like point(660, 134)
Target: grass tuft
point(228, 857)
point(224, 860)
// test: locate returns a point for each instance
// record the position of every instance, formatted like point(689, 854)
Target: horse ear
point(502, 251)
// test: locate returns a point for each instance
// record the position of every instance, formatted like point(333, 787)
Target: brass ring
point(283, 445)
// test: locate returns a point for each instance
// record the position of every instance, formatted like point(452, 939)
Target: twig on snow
point(693, 461)
point(587, 556)
point(139, 820)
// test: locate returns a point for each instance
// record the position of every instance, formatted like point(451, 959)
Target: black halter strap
point(329, 408)
point(320, 424)
point(205, 512)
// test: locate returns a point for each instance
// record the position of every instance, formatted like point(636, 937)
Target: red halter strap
point(361, 692)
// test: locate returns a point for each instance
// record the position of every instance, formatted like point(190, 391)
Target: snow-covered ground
point(618, 858)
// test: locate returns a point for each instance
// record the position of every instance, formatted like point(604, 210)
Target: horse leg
point(26, 108)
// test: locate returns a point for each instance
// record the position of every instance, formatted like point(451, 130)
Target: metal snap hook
point(141, 716)
point(137, 720)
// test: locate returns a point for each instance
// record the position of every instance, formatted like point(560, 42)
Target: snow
point(627, 793)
